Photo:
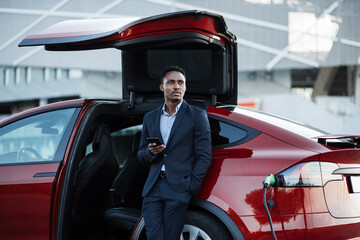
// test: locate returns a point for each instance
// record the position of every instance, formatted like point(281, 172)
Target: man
point(179, 163)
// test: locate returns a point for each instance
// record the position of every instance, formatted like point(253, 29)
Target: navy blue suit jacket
point(187, 155)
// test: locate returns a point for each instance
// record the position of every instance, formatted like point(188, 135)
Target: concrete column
point(43, 101)
point(324, 80)
point(351, 78)
point(357, 86)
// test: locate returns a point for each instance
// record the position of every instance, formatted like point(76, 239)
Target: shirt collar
point(177, 108)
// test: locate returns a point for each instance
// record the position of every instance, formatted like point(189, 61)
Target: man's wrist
point(153, 156)
point(151, 153)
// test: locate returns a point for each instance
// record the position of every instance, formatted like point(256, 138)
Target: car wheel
point(204, 226)
point(198, 226)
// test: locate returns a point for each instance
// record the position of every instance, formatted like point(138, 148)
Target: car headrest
point(99, 132)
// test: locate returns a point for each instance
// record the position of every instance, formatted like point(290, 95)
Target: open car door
point(196, 40)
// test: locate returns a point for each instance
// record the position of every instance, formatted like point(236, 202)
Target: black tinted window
point(205, 68)
point(223, 133)
point(196, 62)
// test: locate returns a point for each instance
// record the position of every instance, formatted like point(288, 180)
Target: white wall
point(317, 115)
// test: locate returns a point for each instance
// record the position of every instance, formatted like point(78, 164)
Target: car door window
point(124, 142)
point(223, 133)
point(35, 138)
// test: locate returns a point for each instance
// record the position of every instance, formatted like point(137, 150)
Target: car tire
point(204, 226)
point(198, 226)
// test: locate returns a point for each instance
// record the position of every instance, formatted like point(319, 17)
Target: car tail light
point(307, 174)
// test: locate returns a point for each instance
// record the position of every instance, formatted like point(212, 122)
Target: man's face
point(173, 86)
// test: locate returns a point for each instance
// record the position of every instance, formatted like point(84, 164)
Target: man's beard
point(175, 100)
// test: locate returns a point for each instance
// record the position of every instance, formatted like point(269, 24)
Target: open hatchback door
point(198, 41)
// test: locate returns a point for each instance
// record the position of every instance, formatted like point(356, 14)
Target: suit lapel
point(157, 123)
point(179, 116)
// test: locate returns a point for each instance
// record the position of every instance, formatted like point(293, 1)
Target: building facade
point(296, 58)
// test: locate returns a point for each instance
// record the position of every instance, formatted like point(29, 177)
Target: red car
point(69, 170)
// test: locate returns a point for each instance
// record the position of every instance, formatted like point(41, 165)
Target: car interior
point(104, 193)
point(105, 180)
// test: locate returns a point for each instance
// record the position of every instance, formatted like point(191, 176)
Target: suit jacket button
point(165, 155)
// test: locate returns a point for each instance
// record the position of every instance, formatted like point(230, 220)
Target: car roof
point(198, 41)
point(260, 121)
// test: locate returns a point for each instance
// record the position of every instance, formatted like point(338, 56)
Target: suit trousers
point(164, 211)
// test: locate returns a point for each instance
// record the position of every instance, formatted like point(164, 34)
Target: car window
point(35, 138)
point(122, 141)
point(157, 59)
point(125, 141)
point(223, 133)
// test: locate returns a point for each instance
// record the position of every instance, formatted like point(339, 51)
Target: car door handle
point(347, 171)
point(45, 174)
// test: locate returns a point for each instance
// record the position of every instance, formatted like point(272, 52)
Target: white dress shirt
point(166, 123)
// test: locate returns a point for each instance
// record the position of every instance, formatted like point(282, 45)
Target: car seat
point(95, 175)
point(126, 191)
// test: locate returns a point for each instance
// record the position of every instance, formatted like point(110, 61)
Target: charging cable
point(269, 181)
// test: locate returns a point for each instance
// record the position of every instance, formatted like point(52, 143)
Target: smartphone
point(153, 140)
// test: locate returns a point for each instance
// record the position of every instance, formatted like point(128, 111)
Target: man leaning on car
point(179, 163)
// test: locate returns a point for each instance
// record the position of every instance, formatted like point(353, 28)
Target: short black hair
point(170, 69)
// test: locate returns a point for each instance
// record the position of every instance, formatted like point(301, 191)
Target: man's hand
point(154, 150)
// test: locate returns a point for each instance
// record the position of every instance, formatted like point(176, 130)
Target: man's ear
point(161, 87)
